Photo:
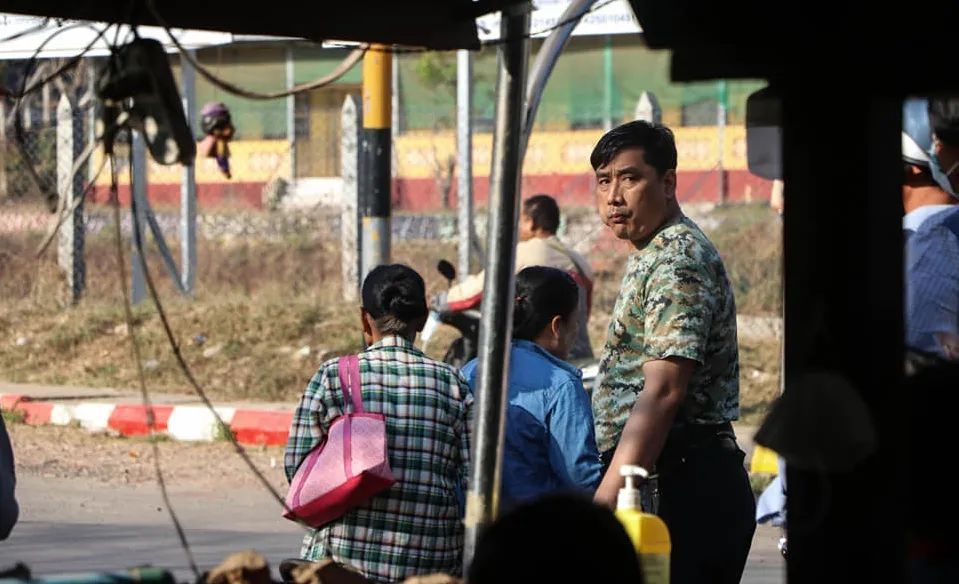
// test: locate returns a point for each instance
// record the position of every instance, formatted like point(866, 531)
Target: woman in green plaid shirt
point(414, 527)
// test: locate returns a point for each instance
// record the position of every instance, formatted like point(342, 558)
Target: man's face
point(525, 227)
point(633, 199)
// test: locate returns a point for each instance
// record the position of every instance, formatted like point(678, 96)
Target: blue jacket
point(550, 441)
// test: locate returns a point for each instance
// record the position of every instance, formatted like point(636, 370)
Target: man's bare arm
point(645, 432)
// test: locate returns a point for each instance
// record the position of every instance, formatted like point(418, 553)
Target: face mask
point(940, 176)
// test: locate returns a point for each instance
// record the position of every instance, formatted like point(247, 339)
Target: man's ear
point(669, 182)
point(555, 325)
point(365, 321)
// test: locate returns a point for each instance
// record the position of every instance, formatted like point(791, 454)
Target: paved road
point(70, 525)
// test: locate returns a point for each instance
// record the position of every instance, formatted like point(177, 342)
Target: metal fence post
point(70, 187)
point(138, 192)
point(350, 220)
point(464, 153)
point(647, 108)
point(188, 188)
point(291, 112)
point(721, 108)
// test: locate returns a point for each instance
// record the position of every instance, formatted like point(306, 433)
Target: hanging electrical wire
point(135, 348)
point(348, 63)
point(18, 131)
point(33, 29)
point(487, 43)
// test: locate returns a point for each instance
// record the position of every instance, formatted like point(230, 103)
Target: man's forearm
point(643, 438)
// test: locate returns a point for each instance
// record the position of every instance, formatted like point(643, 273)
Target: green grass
point(13, 416)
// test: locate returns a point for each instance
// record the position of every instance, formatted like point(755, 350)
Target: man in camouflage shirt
point(671, 364)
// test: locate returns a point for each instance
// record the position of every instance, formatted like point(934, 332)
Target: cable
point(24, 90)
point(64, 213)
point(174, 345)
point(557, 25)
point(131, 326)
point(18, 122)
point(352, 59)
point(39, 27)
point(492, 42)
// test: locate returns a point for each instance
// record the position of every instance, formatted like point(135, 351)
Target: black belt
point(685, 440)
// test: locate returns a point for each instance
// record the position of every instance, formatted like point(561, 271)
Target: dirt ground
point(66, 452)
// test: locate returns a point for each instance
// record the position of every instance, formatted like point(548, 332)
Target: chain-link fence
point(36, 149)
point(28, 126)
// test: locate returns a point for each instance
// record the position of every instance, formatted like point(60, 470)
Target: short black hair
point(544, 212)
point(944, 118)
point(395, 296)
point(656, 140)
point(556, 538)
point(541, 294)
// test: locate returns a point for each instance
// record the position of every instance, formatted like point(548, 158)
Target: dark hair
point(556, 538)
point(541, 294)
point(394, 295)
point(544, 212)
point(656, 140)
point(944, 118)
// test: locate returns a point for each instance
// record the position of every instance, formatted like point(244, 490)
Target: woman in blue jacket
point(550, 443)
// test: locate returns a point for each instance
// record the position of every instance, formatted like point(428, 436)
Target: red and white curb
point(188, 423)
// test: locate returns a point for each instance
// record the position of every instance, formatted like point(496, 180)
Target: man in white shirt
point(538, 246)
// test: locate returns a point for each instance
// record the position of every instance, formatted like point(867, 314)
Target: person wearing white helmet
point(930, 151)
point(930, 162)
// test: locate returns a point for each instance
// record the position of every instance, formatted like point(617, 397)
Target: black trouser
point(707, 504)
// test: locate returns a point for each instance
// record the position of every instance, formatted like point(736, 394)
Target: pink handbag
point(349, 467)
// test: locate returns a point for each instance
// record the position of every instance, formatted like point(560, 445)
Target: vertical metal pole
point(188, 187)
point(138, 192)
point(395, 115)
point(3, 148)
point(26, 109)
point(496, 324)
point(92, 114)
point(291, 112)
point(376, 152)
point(45, 104)
point(721, 136)
point(608, 83)
point(70, 187)
point(349, 217)
point(464, 152)
point(395, 97)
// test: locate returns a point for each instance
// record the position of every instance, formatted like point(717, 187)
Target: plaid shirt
point(414, 527)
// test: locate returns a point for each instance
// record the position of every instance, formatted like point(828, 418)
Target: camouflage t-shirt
point(675, 301)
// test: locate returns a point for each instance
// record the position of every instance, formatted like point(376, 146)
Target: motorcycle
point(466, 322)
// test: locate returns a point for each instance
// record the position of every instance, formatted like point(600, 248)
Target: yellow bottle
point(647, 531)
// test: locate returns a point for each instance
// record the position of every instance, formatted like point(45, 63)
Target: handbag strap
point(349, 371)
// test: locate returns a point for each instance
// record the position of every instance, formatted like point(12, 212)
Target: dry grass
point(258, 303)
